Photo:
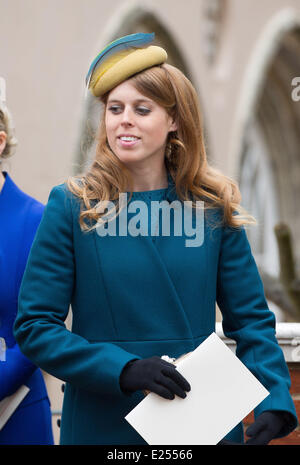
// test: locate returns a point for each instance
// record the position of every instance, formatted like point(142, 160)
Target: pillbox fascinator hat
point(121, 59)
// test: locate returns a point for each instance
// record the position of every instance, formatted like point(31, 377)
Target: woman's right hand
point(156, 375)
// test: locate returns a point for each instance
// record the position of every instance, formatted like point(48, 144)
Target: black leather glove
point(156, 375)
point(266, 427)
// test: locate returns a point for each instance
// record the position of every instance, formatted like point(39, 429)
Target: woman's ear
point(173, 126)
point(2, 141)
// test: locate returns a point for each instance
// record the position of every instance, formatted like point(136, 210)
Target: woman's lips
point(126, 143)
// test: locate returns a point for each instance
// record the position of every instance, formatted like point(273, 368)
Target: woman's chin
point(129, 158)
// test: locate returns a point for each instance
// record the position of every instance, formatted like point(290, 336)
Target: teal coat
point(135, 297)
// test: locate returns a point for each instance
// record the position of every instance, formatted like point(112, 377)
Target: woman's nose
point(127, 116)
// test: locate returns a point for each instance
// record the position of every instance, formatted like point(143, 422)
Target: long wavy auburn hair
point(194, 178)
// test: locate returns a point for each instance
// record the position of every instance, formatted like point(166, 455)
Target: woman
point(19, 218)
point(136, 296)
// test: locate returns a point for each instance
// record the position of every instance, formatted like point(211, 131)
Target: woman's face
point(2, 141)
point(129, 113)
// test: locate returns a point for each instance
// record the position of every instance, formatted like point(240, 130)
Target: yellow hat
point(121, 59)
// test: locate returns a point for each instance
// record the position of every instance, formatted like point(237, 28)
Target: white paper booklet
point(223, 392)
point(9, 404)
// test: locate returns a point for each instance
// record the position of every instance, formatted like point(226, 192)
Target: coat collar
point(9, 192)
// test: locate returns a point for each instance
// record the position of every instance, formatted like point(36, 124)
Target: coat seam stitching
point(105, 288)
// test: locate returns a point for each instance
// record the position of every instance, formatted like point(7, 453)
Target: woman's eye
point(144, 110)
point(113, 108)
point(141, 110)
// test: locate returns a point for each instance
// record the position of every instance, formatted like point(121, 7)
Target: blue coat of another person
point(136, 297)
point(20, 216)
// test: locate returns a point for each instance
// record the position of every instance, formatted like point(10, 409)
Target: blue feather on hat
point(137, 40)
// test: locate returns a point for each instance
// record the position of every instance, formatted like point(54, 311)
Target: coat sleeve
point(44, 300)
point(248, 320)
point(17, 369)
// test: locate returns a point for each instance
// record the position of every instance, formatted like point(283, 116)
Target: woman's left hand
point(265, 428)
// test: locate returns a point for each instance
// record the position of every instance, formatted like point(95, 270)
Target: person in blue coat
point(20, 216)
point(138, 288)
